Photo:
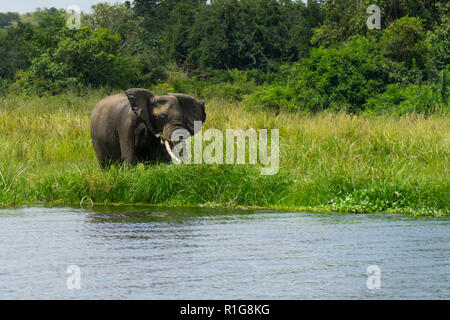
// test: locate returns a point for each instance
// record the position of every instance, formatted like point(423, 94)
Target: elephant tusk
point(169, 150)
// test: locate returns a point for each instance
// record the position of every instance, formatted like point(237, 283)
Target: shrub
point(338, 79)
point(273, 97)
point(84, 58)
point(400, 99)
point(231, 85)
point(243, 76)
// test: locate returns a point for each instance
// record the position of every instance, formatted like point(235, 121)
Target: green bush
point(273, 97)
point(362, 75)
point(83, 58)
point(401, 99)
point(242, 76)
point(337, 79)
point(153, 70)
point(180, 82)
point(231, 85)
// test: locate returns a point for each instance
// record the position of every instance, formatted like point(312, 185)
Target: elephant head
point(165, 114)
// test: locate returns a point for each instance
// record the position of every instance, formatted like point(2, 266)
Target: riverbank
point(328, 162)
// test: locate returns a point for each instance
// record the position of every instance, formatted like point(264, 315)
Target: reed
point(328, 161)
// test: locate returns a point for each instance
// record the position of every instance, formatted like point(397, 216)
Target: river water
point(161, 253)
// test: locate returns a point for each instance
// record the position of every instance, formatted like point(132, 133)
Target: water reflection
point(141, 214)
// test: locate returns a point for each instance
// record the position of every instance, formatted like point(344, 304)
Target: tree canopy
point(314, 55)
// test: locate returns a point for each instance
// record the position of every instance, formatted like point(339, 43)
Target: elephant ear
point(140, 102)
point(193, 110)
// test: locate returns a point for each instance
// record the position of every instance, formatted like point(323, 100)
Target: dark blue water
point(148, 253)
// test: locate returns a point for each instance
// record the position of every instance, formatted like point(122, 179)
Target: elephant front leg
point(127, 148)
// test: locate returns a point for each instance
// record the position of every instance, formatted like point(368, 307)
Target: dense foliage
point(328, 161)
point(275, 54)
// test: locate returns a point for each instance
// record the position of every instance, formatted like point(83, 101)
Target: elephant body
point(131, 127)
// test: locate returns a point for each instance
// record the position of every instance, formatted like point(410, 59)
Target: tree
point(334, 78)
point(7, 18)
point(342, 19)
point(404, 41)
point(346, 18)
point(119, 19)
point(50, 25)
point(439, 41)
point(299, 23)
point(176, 40)
point(83, 58)
point(156, 12)
point(16, 49)
point(250, 34)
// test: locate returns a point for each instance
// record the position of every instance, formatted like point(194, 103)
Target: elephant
point(137, 126)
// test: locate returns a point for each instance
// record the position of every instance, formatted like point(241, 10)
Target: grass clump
point(328, 161)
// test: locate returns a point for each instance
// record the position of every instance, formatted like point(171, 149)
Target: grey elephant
point(138, 125)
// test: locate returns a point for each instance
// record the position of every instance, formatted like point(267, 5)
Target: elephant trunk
point(169, 129)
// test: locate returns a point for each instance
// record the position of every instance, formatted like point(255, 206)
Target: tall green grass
point(328, 161)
